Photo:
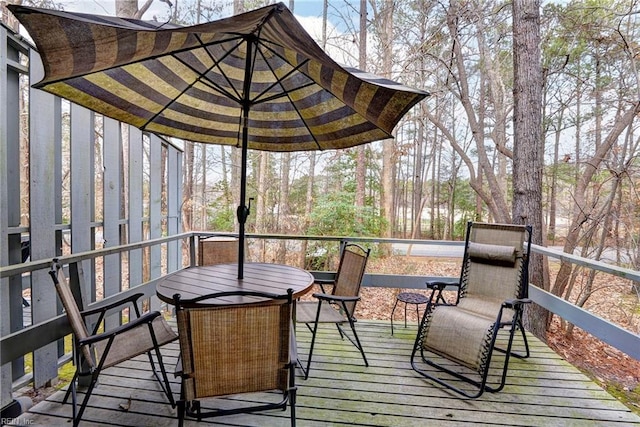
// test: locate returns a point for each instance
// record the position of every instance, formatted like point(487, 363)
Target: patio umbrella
point(255, 80)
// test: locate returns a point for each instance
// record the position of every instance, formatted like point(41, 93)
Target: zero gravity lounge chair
point(459, 339)
point(100, 349)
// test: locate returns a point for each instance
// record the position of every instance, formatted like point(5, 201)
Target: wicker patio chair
point(233, 349)
point(339, 306)
point(490, 297)
point(99, 350)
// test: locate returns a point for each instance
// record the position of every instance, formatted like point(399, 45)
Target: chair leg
point(77, 417)
point(70, 388)
point(526, 343)
point(313, 342)
point(518, 325)
point(164, 381)
point(73, 399)
point(292, 406)
point(181, 412)
point(357, 341)
point(405, 315)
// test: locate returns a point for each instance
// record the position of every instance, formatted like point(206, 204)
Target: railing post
point(10, 251)
point(192, 250)
point(45, 140)
point(111, 212)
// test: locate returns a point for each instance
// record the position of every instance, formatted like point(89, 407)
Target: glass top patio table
point(193, 282)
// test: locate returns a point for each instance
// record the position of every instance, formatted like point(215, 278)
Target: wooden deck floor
point(543, 390)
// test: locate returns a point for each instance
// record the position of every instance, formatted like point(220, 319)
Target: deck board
point(542, 390)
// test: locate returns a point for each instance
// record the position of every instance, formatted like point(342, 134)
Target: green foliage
point(464, 198)
point(221, 219)
point(336, 214)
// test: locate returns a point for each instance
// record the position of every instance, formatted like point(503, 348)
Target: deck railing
point(183, 248)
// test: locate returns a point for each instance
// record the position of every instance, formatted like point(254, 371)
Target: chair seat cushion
point(459, 334)
point(306, 313)
point(136, 341)
point(485, 307)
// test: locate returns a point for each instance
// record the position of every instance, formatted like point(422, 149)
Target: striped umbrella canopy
point(255, 80)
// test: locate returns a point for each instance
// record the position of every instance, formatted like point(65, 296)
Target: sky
point(308, 13)
point(303, 8)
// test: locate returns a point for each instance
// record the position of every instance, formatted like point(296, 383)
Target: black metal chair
point(339, 306)
point(96, 351)
point(490, 297)
point(233, 349)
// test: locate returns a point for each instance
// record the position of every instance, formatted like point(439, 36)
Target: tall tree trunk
point(283, 207)
point(261, 203)
point(494, 199)
point(553, 203)
point(360, 154)
point(187, 186)
point(236, 171)
point(308, 206)
point(528, 155)
point(388, 145)
point(226, 191)
point(203, 188)
point(129, 8)
point(580, 214)
point(418, 180)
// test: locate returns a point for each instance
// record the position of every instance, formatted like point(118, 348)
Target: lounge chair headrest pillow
point(492, 253)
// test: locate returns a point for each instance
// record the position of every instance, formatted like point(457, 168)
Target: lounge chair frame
point(483, 245)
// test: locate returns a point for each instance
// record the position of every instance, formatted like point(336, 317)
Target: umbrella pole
point(243, 210)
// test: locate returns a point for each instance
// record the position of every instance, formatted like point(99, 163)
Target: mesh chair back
point(353, 263)
point(493, 268)
point(71, 308)
point(234, 349)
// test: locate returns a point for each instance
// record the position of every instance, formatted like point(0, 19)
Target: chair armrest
point(100, 308)
point(336, 298)
point(323, 283)
point(512, 303)
point(439, 285)
point(144, 319)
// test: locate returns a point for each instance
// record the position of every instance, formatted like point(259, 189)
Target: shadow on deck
point(543, 390)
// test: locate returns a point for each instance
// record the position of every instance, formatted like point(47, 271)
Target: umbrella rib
point(124, 64)
point(285, 93)
point(216, 64)
point(200, 78)
point(278, 80)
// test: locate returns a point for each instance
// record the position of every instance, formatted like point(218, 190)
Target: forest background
point(453, 157)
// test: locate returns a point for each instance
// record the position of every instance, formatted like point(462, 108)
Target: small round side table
point(408, 298)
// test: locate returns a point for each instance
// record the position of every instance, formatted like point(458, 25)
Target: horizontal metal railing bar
point(608, 332)
point(590, 263)
point(13, 270)
point(19, 343)
point(552, 253)
point(333, 238)
point(16, 344)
